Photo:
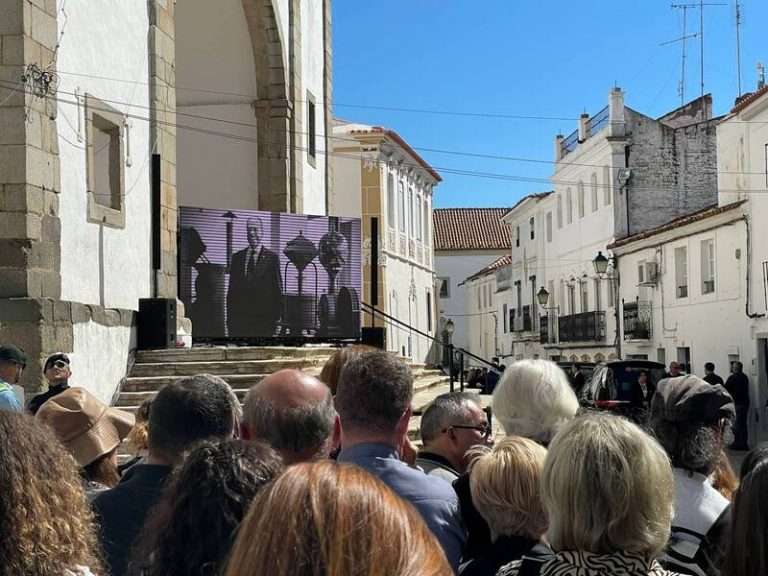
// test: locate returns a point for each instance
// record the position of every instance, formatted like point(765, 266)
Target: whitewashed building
point(381, 179)
point(486, 292)
point(466, 240)
point(233, 96)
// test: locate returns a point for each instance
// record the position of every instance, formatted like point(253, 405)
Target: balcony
point(584, 327)
point(569, 144)
point(544, 329)
point(527, 320)
point(638, 320)
point(597, 122)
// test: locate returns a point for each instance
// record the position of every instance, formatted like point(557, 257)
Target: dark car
point(586, 369)
point(616, 386)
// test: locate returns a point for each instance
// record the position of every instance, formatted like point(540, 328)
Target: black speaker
point(156, 323)
point(373, 336)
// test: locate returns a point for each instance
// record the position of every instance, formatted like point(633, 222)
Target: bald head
point(293, 412)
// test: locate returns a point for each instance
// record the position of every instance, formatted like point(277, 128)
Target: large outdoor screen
point(252, 275)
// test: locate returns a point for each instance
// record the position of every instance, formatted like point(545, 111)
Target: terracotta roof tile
point(747, 99)
point(500, 262)
point(471, 229)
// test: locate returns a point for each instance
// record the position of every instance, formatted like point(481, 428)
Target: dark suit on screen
point(255, 295)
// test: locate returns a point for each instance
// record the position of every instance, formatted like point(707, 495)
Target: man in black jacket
point(710, 376)
point(57, 372)
point(254, 298)
point(183, 412)
point(738, 387)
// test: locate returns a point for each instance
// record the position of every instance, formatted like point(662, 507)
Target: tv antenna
point(738, 45)
point(700, 35)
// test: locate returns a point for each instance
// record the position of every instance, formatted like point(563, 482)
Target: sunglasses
point(59, 364)
point(484, 429)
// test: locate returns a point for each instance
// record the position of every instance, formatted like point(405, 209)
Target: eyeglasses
point(484, 429)
point(60, 364)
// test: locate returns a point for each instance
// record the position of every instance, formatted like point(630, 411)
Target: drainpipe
point(749, 314)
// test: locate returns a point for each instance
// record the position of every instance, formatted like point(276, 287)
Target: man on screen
point(254, 299)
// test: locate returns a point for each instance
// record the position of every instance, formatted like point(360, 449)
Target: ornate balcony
point(584, 327)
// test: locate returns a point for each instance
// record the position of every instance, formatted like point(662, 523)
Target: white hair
point(534, 399)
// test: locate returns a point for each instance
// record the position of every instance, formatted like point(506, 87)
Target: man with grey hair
point(254, 298)
point(451, 425)
point(373, 399)
point(293, 412)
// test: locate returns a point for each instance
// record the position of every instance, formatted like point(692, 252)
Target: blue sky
point(551, 58)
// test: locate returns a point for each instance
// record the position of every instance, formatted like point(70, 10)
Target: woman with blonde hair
point(607, 488)
point(506, 489)
point(46, 524)
point(335, 520)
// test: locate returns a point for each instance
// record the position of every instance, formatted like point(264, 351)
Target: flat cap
point(691, 399)
point(10, 353)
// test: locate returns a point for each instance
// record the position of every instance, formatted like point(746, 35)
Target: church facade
point(222, 104)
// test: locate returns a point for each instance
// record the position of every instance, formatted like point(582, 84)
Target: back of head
point(336, 520)
point(189, 410)
point(534, 399)
point(709, 367)
point(293, 412)
point(46, 524)
point(332, 368)
point(374, 392)
point(748, 546)
point(607, 487)
point(446, 409)
point(687, 417)
point(196, 520)
point(506, 488)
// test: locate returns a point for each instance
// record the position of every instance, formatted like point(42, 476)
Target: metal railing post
point(450, 365)
point(461, 370)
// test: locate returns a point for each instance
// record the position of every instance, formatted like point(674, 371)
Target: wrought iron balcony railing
point(584, 327)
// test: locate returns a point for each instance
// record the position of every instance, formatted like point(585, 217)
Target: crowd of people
point(318, 476)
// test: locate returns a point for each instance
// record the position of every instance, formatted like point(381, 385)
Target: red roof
point(471, 229)
point(677, 222)
point(748, 99)
point(500, 262)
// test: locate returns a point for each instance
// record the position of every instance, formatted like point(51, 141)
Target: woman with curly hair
point(196, 520)
point(46, 524)
point(334, 520)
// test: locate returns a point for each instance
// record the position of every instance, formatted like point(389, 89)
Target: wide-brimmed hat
point(691, 399)
point(88, 428)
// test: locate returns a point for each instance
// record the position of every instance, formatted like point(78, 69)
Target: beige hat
point(86, 427)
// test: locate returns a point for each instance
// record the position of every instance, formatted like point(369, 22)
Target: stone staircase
point(242, 367)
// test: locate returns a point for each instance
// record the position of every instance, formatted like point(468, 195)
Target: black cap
point(53, 357)
point(691, 399)
point(10, 353)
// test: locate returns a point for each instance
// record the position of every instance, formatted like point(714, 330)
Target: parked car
point(616, 386)
point(586, 368)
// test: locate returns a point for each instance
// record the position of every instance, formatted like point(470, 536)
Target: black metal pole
point(461, 371)
point(450, 365)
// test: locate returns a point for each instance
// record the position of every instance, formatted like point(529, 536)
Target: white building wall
point(312, 67)
point(457, 266)
point(214, 53)
point(116, 272)
point(482, 320)
point(100, 357)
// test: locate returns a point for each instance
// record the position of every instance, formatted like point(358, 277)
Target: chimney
point(616, 122)
point(583, 124)
point(559, 147)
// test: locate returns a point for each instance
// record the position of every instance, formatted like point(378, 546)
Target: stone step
point(265, 366)
point(222, 353)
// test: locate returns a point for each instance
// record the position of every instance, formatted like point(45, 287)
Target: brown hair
point(336, 520)
point(46, 524)
point(138, 438)
point(724, 478)
point(332, 367)
point(103, 470)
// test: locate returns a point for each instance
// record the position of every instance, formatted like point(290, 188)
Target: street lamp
point(450, 327)
point(543, 297)
point(601, 263)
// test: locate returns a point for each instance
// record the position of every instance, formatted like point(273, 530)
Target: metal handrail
point(373, 311)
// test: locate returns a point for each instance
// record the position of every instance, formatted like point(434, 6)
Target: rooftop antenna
point(738, 45)
point(684, 41)
point(700, 5)
point(760, 75)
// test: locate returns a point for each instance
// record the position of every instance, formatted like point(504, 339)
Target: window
point(534, 302)
point(519, 294)
point(569, 206)
point(426, 220)
point(479, 297)
point(661, 356)
point(641, 272)
point(411, 216)
point(517, 236)
point(429, 311)
point(598, 296)
point(401, 202)
point(445, 287)
point(581, 199)
point(390, 200)
point(681, 272)
point(707, 266)
point(105, 163)
point(549, 226)
point(572, 299)
point(417, 214)
point(311, 129)
point(584, 287)
point(490, 295)
point(505, 315)
point(559, 211)
point(607, 184)
point(593, 188)
point(512, 320)
point(532, 224)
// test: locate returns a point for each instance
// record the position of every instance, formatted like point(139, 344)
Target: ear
point(402, 424)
